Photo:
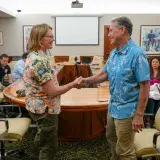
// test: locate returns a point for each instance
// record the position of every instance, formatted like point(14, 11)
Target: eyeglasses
point(50, 36)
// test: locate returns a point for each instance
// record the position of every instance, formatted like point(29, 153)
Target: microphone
point(75, 59)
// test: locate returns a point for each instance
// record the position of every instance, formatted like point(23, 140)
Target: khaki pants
point(121, 138)
point(45, 142)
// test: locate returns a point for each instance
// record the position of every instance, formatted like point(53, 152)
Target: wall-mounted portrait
point(26, 34)
point(1, 38)
point(150, 38)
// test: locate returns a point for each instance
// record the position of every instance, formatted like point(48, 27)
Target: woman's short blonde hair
point(37, 33)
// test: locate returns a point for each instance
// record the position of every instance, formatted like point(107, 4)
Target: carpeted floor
point(95, 149)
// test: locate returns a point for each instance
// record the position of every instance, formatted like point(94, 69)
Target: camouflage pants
point(45, 141)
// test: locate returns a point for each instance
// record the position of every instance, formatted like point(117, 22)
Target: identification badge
point(6, 70)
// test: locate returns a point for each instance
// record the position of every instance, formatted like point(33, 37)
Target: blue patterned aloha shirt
point(126, 69)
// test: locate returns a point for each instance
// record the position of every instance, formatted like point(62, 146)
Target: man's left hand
point(137, 123)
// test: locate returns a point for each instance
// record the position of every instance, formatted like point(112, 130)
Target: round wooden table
point(83, 114)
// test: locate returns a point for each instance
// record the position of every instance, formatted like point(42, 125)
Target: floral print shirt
point(38, 70)
point(126, 68)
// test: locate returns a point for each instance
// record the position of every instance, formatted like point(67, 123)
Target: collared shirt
point(18, 70)
point(4, 71)
point(38, 70)
point(126, 69)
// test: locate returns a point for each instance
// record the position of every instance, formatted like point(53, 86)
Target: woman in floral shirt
point(42, 90)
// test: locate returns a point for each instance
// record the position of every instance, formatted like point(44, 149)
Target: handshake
point(79, 82)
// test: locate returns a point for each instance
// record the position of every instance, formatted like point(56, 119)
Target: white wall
point(13, 35)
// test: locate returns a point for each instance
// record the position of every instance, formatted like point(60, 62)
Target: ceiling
point(90, 7)
point(6, 13)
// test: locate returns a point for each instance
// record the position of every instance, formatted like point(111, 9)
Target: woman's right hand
point(78, 82)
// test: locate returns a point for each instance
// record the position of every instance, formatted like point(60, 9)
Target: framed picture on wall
point(1, 38)
point(26, 34)
point(150, 38)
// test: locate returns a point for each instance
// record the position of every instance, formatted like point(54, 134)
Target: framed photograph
point(1, 38)
point(26, 34)
point(150, 38)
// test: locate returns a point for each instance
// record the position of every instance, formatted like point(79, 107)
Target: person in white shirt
point(18, 69)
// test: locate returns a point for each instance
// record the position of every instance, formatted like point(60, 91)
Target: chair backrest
point(157, 120)
point(86, 59)
point(59, 59)
point(12, 64)
point(97, 60)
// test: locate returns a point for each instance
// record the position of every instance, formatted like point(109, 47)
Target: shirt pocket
point(126, 74)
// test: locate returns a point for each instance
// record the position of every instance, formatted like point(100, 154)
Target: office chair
point(147, 142)
point(11, 129)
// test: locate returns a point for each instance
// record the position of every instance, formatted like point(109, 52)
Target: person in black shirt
point(5, 69)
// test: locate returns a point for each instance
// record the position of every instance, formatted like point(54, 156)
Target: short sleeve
point(42, 70)
point(9, 70)
point(141, 68)
point(105, 67)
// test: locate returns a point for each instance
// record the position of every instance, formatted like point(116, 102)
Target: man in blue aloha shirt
point(128, 73)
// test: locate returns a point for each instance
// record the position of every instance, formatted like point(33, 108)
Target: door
point(107, 44)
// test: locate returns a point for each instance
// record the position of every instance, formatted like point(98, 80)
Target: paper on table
point(101, 97)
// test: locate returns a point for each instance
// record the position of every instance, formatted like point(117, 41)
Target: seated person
point(18, 69)
point(5, 70)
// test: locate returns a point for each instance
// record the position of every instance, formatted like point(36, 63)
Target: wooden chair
point(59, 59)
point(147, 142)
point(86, 59)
